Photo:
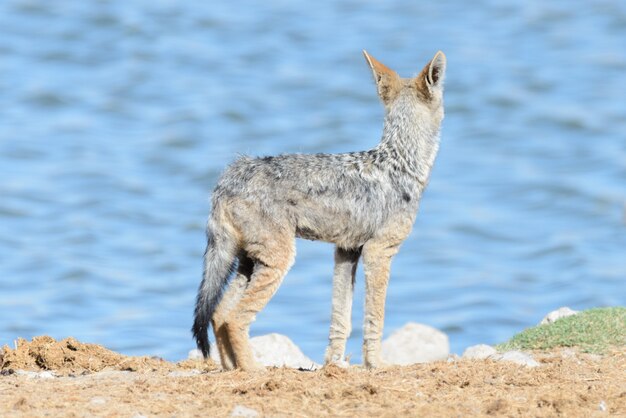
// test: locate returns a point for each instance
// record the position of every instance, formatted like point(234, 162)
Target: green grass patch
point(593, 331)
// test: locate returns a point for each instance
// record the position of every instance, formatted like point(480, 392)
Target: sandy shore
point(89, 380)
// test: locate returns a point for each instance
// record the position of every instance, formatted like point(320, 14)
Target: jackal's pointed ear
point(434, 72)
point(387, 80)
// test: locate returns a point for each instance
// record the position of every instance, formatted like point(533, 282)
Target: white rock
point(196, 354)
point(214, 355)
point(36, 375)
point(517, 357)
point(97, 400)
point(271, 350)
point(479, 352)
point(568, 353)
point(26, 373)
point(105, 374)
point(453, 358)
point(279, 351)
point(558, 314)
point(415, 343)
point(185, 373)
point(242, 411)
point(602, 406)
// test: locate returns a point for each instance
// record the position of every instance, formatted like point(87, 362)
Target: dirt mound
point(567, 382)
point(72, 356)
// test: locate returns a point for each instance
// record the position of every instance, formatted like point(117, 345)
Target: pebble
point(36, 375)
point(479, 352)
point(276, 350)
point(104, 374)
point(270, 350)
point(553, 316)
point(517, 357)
point(453, 358)
point(187, 373)
point(195, 354)
point(415, 343)
point(97, 401)
point(242, 411)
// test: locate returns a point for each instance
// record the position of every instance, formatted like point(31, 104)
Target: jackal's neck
point(411, 143)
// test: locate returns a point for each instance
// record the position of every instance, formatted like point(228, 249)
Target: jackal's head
point(420, 97)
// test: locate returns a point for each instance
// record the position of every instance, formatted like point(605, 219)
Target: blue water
point(117, 117)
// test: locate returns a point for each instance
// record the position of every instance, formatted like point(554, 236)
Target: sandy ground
point(89, 380)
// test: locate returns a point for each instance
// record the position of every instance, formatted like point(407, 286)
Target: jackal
point(363, 202)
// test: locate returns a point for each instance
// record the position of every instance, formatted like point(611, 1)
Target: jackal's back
point(339, 198)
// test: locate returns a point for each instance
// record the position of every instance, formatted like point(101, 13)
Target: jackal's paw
point(226, 367)
point(375, 364)
point(336, 358)
point(338, 362)
point(252, 366)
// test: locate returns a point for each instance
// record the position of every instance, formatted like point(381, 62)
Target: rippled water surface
point(117, 117)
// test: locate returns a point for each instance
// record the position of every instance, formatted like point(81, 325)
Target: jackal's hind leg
point(231, 297)
point(377, 262)
point(271, 264)
point(343, 288)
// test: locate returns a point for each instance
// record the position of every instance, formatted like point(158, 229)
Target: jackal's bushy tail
point(219, 261)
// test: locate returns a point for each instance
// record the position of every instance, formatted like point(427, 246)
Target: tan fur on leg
point(343, 289)
point(229, 300)
point(224, 347)
point(271, 266)
point(377, 262)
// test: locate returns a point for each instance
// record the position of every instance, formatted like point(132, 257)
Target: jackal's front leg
point(377, 262)
point(343, 289)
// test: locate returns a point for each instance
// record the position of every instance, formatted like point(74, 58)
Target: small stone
point(242, 411)
point(594, 357)
point(602, 406)
point(195, 354)
point(517, 357)
point(27, 373)
point(479, 352)
point(558, 314)
point(415, 343)
point(215, 355)
point(105, 374)
point(276, 350)
point(568, 353)
point(452, 358)
point(271, 350)
point(97, 401)
point(187, 373)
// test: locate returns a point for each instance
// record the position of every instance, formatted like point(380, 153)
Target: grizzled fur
point(363, 202)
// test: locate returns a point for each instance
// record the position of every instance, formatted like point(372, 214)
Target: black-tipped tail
point(200, 327)
point(219, 261)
